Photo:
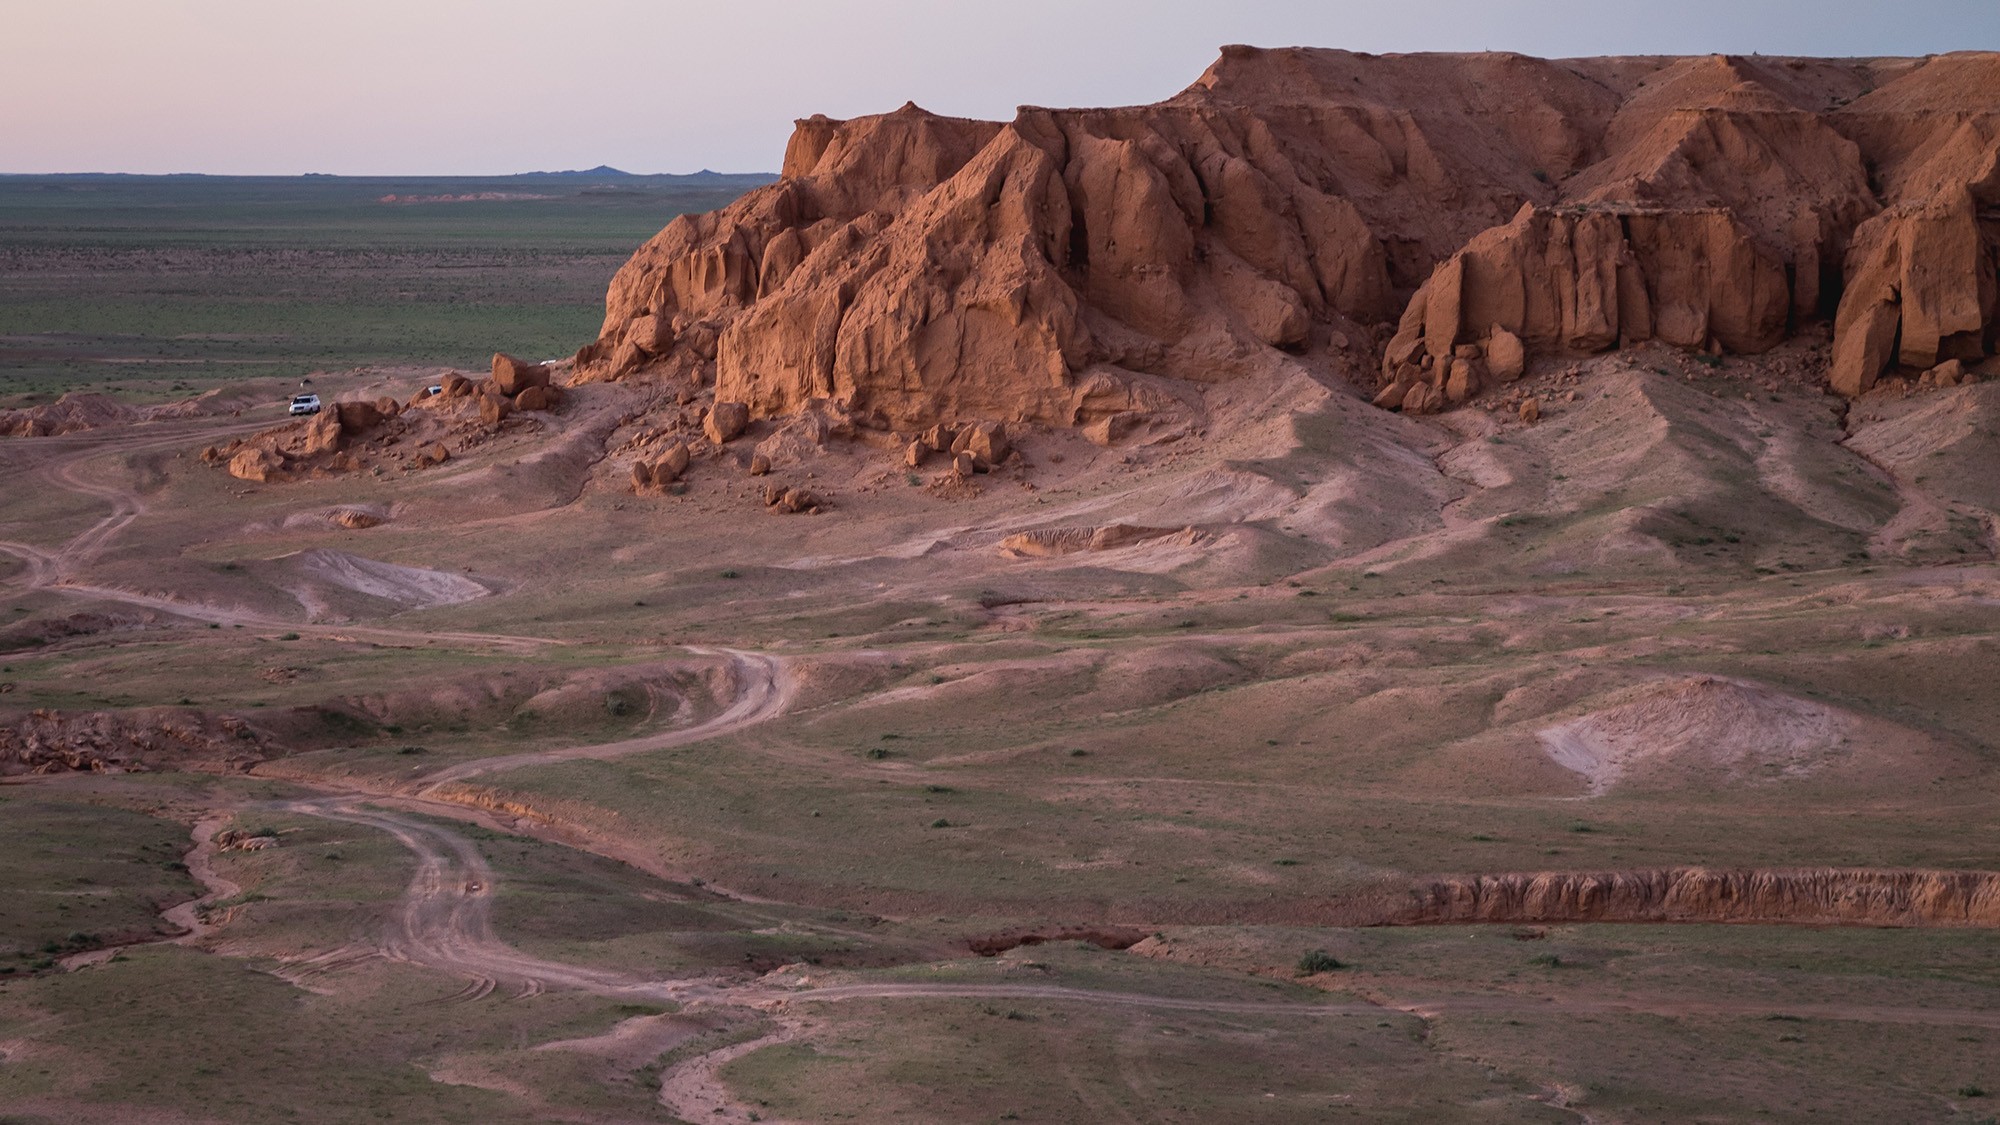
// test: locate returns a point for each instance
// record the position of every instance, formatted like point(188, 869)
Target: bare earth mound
point(1704, 724)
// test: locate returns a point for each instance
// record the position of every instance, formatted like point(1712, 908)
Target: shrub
point(940, 822)
point(1318, 961)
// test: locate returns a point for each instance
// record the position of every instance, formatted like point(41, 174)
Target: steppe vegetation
point(155, 286)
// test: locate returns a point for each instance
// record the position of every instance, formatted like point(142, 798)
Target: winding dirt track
point(58, 570)
point(763, 693)
point(47, 567)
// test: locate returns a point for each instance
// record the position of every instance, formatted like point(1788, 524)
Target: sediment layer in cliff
point(1852, 896)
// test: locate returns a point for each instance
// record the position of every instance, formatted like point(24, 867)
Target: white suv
point(305, 404)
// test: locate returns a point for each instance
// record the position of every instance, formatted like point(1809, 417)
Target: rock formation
point(1695, 894)
point(1072, 267)
point(50, 741)
point(346, 435)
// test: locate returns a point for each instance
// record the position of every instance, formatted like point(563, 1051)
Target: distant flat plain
point(149, 286)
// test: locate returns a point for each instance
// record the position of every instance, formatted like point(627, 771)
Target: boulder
point(512, 376)
point(1392, 394)
point(726, 422)
point(1506, 355)
point(433, 454)
point(1531, 410)
point(254, 463)
point(494, 408)
point(455, 385)
point(760, 465)
point(915, 453)
point(1950, 373)
point(1423, 398)
point(671, 464)
point(323, 433)
point(537, 398)
point(986, 441)
point(792, 499)
point(1462, 380)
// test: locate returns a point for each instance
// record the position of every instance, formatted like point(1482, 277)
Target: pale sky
point(495, 86)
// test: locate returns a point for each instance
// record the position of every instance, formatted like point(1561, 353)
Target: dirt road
point(764, 691)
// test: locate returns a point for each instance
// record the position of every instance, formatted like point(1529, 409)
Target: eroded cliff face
point(1436, 217)
point(1696, 894)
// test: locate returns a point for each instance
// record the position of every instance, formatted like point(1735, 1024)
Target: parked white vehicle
point(305, 404)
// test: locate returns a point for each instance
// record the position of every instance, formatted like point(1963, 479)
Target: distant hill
point(703, 178)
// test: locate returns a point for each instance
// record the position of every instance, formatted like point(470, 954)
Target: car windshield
point(302, 398)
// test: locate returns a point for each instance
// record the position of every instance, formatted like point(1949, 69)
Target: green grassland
point(80, 875)
point(150, 286)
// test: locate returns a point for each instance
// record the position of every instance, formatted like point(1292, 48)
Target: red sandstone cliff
point(1461, 208)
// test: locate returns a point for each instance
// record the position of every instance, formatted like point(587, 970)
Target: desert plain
point(1415, 587)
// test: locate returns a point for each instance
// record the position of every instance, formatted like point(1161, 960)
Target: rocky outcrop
point(1697, 894)
point(50, 741)
point(1923, 277)
point(78, 411)
point(1054, 542)
point(351, 435)
point(1065, 266)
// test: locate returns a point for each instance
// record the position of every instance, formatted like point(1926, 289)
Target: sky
point(477, 87)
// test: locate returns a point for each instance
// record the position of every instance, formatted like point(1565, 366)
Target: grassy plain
point(151, 286)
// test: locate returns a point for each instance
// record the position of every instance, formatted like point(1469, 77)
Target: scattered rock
point(1950, 373)
point(254, 463)
point(986, 441)
point(1506, 355)
point(1463, 380)
point(511, 376)
point(726, 422)
point(322, 434)
point(792, 499)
